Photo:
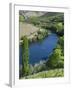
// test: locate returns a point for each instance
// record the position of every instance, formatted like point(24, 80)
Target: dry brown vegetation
point(27, 29)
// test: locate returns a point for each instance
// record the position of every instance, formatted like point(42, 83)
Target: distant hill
point(31, 13)
point(50, 14)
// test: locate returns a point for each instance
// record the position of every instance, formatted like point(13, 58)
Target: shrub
point(59, 27)
point(21, 18)
point(55, 60)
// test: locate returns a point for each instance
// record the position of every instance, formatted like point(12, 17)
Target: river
point(40, 51)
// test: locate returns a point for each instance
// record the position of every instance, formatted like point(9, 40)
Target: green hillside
point(47, 74)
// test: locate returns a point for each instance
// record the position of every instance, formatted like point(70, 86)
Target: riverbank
point(27, 29)
point(32, 32)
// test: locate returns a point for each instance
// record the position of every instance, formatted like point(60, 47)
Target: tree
point(55, 60)
point(59, 27)
point(61, 43)
point(21, 18)
point(25, 57)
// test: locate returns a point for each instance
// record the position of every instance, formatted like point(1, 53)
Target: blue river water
point(41, 50)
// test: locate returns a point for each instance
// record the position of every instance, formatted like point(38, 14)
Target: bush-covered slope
point(47, 74)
